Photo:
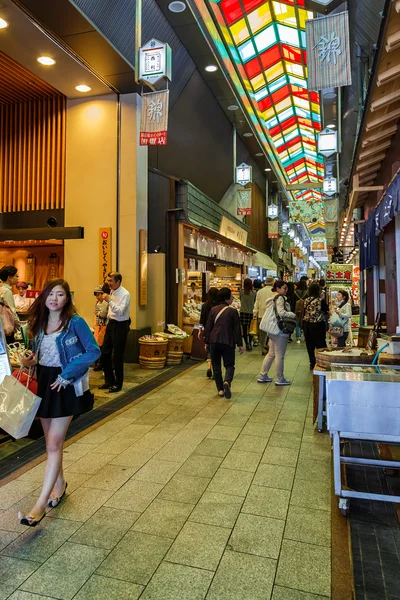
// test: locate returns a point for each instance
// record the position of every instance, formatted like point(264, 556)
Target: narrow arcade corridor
point(185, 495)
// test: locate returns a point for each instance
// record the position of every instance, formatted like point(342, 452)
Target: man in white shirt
point(113, 349)
point(8, 278)
point(259, 309)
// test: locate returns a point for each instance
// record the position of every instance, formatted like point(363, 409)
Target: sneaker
point(209, 373)
point(221, 393)
point(264, 380)
point(227, 390)
point(282, 382)
point(298, 341)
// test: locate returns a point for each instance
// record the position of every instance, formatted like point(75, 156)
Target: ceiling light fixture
point(177, 6)
point(268, 170)
point(248, 134)
point(46, 60)
point(83, 88)
point(3, 24)
point(331, 126)
point(211, 68)
point(233, 107)
point(259, 154)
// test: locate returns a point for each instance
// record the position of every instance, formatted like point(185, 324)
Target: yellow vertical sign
point(104, 253)
point(142, 267)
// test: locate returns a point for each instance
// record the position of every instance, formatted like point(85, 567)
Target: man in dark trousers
point(119, 301)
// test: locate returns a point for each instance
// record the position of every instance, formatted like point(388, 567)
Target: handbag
point(286, 324)
point(99, 331)
point(18, 407)
point(7, 319)
point(335, 331)
point(27, 378)
point(254, 327)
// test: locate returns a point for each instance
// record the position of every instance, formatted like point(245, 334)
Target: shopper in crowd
point(9, 278)
point(291, 298)
point(205, 313)
point(257, 285)
point(277, 339)
point(222, 335)
point(259, 309)
point(316, 311)
point(300, 295)
point(322, 285)
point(100, 319)
point(191, 293)
point(341, 316)
point(63, 349)
point(117, 330)
point(22, 303)
point(247, 300)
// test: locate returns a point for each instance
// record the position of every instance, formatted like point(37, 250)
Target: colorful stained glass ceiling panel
point(265, 39)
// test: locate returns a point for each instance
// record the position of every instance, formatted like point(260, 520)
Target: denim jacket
point(77, 348)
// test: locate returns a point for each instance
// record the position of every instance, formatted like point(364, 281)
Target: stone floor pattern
point(184, 496)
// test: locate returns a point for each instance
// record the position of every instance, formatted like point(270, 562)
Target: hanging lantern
point(53, 266)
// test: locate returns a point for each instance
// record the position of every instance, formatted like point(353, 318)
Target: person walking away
point(100, 319)
point(342, 316)
point(222, 335)
point(259, 309)
point(277, 339)
point(205, 313)
point(291, 298)
point(63, 348)
point(119, 302)
point(314, 322)
point(9, 278)
point(247, 300)
point(322, 285)
point(300, 295)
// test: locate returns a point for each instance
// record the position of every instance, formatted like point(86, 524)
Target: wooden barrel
point(174, 351)
point(357, 356)
point(152, 353)
point(389, 359)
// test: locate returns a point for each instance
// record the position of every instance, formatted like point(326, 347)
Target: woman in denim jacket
point(63, 349)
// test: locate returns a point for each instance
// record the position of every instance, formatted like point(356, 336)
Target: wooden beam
point(368, 175)
point(385, 101)
point(388, 118)
point(388, 75)
point(393, 41)
point(371, 188)
point(371, 161)
point(380, 135)
point(374, 150)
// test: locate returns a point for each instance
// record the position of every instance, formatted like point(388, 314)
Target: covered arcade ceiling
point(262, 47)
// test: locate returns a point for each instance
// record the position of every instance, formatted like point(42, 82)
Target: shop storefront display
point(345, 277)
point(153, 351)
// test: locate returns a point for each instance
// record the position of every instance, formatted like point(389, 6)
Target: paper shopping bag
point(18, 407)
point(254, 327)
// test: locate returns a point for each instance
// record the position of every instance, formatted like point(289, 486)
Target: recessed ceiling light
point(83, 88)
point(268, 170)
point(248, 134)
point(46, 60)
point(259, 154)
point(233, 107)
point(177, 6)
point(331, 126)
point(3, 24)
point(211, 68)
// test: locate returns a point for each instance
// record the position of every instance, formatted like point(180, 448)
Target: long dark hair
point(314, 290)
point(211, 297)
point(39, 313)
point(247, 286)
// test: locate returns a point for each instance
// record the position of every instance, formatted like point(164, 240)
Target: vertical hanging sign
point(243, 202)
point(154, 119)
point(328, 51)
point(104, 253)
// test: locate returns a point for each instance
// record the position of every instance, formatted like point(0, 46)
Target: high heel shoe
point(28, 520)
point(53, 502)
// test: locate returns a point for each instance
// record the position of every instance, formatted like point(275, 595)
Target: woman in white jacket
point(277, 340)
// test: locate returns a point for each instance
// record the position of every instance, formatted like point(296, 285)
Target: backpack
point(299, 311)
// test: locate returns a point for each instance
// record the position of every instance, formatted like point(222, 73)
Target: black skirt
point(64, 403)
point(246, 319)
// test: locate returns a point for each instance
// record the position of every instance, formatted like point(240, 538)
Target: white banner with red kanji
point(243, 198)
point(154, 119)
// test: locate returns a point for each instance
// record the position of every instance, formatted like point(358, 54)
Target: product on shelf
point(191, 312)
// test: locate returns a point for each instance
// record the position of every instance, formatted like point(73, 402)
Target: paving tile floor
point(185, 496)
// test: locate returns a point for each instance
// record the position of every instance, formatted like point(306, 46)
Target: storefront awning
point(264, 261)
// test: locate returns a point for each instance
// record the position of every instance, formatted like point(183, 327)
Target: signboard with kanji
point(155, 62)
point(273, 229)
point(339, 274)
point(243, 202)
point(154, 119)
point(104, 253)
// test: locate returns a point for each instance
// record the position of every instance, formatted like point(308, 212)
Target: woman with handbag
point(63, 349)
point(247, 300)
point(341, 317)
point(205, 313)
point(222, 335)
point(278, 322)
point(314, 321)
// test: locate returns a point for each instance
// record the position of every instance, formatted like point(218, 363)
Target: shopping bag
point(27, 378)
point(254, 327)
point(99, 331)
point(15, 353)
point(18, 407)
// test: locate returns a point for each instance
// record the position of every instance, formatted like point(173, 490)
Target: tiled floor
point(185, 496)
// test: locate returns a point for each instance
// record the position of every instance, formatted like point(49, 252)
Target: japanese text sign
point(104, 253)
point(154, 62)
point(243, 202)
point(328, 52)
point(154, 120)
point(339, 274)
point(273, 229)
point(243, 174)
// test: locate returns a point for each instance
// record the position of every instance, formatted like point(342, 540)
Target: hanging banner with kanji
point(328, 52)
point(243, 198)
point(339, 274)
point(104, 253)
point(154, 120)
point(273, 229)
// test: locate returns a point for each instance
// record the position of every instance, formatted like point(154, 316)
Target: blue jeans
point(298, 332)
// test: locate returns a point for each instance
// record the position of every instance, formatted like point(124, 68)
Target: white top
point(260, 306)
point(48, 354)
point(345, 314)
point(22, 303)
point(6, 296)
point(119, 305)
